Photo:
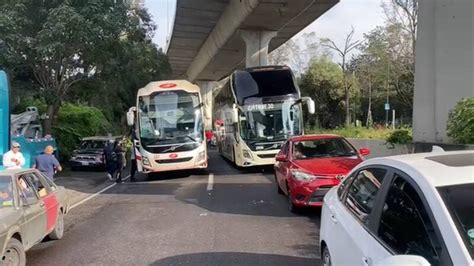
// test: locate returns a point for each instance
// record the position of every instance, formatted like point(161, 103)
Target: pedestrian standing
point(110, 159)
point(133, 165)
point(46, 163)
point(14, 159)
point(121, 161)
point(209, 135)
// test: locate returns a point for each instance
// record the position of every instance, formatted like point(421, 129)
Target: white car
point(415, 209)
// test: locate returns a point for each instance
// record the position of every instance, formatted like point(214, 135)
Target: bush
point(461, 122)
point(401, 136)
point(354, 132)
point(76, 121)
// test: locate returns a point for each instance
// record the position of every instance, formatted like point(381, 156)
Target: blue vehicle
point(23, 128)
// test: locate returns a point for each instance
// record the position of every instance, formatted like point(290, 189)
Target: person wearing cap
point(46, 163)
point(14, 159)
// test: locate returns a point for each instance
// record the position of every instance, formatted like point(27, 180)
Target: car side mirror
point(364, 151)
point(281, 158)
point(131, 116)
point(235, 115)
point(403, 260)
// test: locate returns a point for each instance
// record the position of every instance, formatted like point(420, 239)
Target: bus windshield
point(270, 122)
point(170, 117)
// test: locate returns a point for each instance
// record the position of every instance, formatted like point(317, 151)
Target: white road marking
point(210, 182)
point(95, 194)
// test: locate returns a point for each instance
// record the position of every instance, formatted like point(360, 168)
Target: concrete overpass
point(211, 38)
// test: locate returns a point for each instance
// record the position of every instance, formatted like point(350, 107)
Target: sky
point(364, 15)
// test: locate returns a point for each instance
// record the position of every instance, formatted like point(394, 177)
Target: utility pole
point(387, 101)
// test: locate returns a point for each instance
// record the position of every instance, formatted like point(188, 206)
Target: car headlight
point(201, 156)
point(302, 176)
point(146, 161)
point(247, 154)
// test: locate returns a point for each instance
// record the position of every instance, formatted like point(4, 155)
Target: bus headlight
point(247, 154)
point(201, 156)
point(146, 161)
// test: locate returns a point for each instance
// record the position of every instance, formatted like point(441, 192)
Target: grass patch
point(354, 132)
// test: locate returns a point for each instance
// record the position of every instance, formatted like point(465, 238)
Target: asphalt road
point(181, 219)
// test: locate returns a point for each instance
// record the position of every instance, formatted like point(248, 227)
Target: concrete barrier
point(380, 148)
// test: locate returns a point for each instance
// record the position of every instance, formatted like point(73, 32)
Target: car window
point(26, 188)
point(39, 184)
point(363, 191)
point(461, 210)
point(6, 192)
point(343, 185)
point(404, 223)
point(49, 181)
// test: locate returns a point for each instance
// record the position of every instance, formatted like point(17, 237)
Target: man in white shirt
point(14, 159)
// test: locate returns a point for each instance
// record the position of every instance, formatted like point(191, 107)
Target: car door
point(33, 210)
point(49, 199)
point(406, 225)
point(347, 215)
point(281, 168)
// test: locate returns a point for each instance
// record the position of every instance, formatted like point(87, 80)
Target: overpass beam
point(256, 42)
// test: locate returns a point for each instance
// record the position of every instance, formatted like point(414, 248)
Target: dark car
point(90, 154)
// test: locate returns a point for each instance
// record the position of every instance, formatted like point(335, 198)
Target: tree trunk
point(52, 118)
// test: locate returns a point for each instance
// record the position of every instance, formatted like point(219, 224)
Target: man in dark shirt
point(46, 163)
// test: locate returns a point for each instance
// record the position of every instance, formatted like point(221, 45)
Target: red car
point(308, 166)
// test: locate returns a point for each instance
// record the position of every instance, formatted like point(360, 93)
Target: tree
point(344, 52)
point(323, 81)
point(405, 14)
point(61, 42)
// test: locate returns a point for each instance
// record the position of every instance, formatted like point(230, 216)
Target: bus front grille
point(177, 160)
point(267, 156)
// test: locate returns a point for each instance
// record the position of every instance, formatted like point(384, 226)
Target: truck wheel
point(58, 231)
point(14, 253)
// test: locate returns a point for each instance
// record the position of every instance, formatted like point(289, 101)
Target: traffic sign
point(387, 106)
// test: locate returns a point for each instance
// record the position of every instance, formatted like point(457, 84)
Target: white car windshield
point(456, 199)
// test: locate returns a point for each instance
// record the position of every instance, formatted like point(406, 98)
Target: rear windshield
point(92, 144)
point(458, 200)
point(263, 83)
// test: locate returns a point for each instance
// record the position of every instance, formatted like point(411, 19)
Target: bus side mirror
point(310, 103)
point(131, 116)
point(235, 115)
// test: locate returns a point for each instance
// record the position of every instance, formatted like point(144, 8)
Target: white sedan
point(415, 209)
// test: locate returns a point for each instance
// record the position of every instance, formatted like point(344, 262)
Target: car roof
point(12, 172)
point(436, 168)
point(101, 138)
point(314, 137)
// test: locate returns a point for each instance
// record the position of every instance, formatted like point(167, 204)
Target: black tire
point(292, 207)
point(14, 254)
point(326, 257)
point(58, 231)
point(279, 190)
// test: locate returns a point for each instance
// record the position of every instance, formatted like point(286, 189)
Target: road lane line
point(210, 182)
point(95, 194)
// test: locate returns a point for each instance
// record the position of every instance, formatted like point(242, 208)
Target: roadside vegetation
point(79, 62)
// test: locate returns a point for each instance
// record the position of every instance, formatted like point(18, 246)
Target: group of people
point(115, 161)
point(46, 162)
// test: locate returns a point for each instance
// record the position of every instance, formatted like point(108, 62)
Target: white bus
point(168, 127)
point(255, 111)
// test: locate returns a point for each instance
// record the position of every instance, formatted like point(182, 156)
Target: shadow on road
point(235, 258)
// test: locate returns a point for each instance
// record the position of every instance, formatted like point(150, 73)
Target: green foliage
point(77, 121)
point(401, 136)
point(25, 102)
point(354, 132)
point(461, 121)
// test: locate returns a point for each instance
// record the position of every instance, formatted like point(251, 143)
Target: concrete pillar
point(444, 65)
point(256, 42)
point(206, 94)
